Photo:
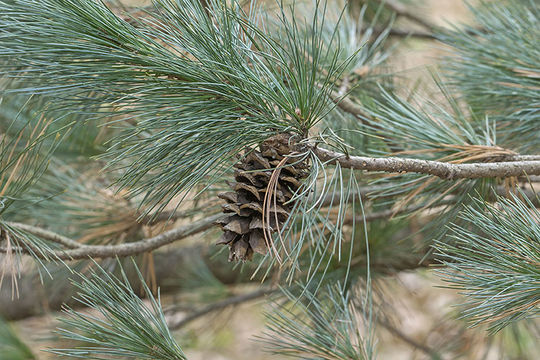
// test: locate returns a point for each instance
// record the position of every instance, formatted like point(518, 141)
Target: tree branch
point(168, 215)
point(47, 235)
point(402, 11)
point(133, 248)
point(442, 170)
point(384, 214)
point(405, 338)
point(345, 104)
point(41, 294)
point(82, 251)
point(231, 301)
point(404, 33)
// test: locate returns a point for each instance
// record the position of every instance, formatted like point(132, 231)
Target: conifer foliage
point(126, 129)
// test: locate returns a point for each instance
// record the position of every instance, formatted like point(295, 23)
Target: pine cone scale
point(243, 229)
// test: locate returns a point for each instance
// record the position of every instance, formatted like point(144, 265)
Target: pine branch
point(228, 82)
point(48, 235)
point(443, 170)
point(495, 68)
point(127, 327)
point(359, 111)
point(493, 259)
point(82, 251)
point(220, 305)
point(133, 248)
point(40, 295)
point(401, 10)
point(319, 325)
point(407, 339)
point(389, 213)
point(345, 104)
point(403, 33)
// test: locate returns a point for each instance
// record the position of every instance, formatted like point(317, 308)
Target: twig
point(362, 192)
point(442, 170)
point(405, 338)
point(409, 34)
point(82, 251)
point(354, 109)
point(414, 263)
point(344, 87)
point(129, 249)
point(47, 235)
point(42, 294)
point(347, 105)
point(165, 215)
point(357, 110)
point(388, 213)
point(522, 158)
point(402, 11)
point(169, 215)
point(234, 300)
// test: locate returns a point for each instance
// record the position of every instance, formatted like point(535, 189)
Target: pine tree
point(278, 130)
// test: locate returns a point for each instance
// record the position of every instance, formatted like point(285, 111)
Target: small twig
point(166, 215)
point(348, 106)
point(354, 109)
point(47, 235)
point(443, 170)
point(402, 11)
point(522, 158)
point(169, 215)
point(344, 87)
point(405, 338)
point(128, 249)
point(362, 192)
point(366, 193)
point(402, 33)
point(234, 300)
point(385, 214)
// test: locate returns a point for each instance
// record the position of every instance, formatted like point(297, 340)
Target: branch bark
point(402, 11)
point(47, 235)
point(82, 251)
point(404, 33)
point(132, 248)
point(443, 170)
point(345, 104)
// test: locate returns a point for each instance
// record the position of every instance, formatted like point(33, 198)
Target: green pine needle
point(325, 326)
point(495, 67)
point(199, 88)
point(494, 260)
point(122, 326)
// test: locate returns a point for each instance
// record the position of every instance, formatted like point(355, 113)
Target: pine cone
point(243, 227)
